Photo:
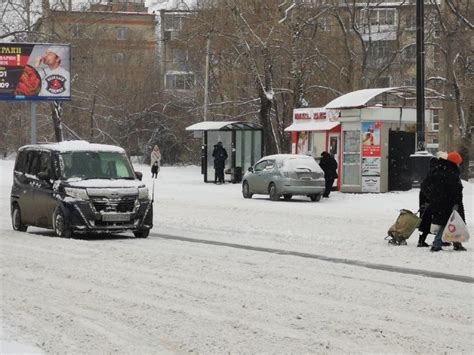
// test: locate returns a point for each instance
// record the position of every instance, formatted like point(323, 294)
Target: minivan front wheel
point(142, 233)
point(60, 224)
point(17, 224)
point(272, 191)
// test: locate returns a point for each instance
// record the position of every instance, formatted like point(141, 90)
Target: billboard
point(35, 71)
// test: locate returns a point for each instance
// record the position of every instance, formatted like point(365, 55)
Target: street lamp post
point(420, 75)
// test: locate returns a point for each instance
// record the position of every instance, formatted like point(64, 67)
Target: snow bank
point(126, 295)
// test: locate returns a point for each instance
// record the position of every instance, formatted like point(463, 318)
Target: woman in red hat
point(444, 188)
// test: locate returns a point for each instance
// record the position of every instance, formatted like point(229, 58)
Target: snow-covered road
point(158, 295)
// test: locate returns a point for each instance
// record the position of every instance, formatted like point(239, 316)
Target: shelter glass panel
point(256, 146)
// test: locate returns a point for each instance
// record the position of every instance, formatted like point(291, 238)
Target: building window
point(410, 52)
point(118, 57)
point(173, 22)
point(179, 81)
point(122, 33)
point(470, 65)
point(435, 121)
point(437, 58)
point(382, 82)
point(323, 24)
point(380, 53)
point(75, 30)
point(179, 55)
point(410, 82)
point(410, 23)
point(377, 17)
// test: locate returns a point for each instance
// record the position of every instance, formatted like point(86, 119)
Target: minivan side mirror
point(139, 175)
point(43, 175)
point(251, 169)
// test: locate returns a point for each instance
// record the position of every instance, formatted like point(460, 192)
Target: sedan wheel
point(274, 195)
point(315, 197)
point(246, 190)
point(16, 220)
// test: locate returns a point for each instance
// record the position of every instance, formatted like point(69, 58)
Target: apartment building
point(174, 62)
point(382, 36)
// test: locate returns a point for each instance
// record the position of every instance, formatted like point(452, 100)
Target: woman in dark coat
point(329, 166)
point(444, 189)
point(425, 208)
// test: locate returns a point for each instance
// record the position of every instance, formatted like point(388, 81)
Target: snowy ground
point(157, 295)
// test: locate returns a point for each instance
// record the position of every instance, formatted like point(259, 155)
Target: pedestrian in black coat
point(220, 156)
point(444, 189)
point(329, 166)
point(425, 207)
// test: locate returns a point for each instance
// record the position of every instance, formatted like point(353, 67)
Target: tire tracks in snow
point(374, 266)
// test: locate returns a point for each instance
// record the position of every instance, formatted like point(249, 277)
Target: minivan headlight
point(79, 194)
point(143, 193)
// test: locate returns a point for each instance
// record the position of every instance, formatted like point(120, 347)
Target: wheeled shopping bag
point(403, 227)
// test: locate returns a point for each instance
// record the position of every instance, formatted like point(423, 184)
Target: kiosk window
point(351, 163)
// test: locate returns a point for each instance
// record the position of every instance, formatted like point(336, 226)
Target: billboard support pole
point(33, 122)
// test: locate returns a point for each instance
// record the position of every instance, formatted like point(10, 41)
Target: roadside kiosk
point(242, 141)
point(378, 136)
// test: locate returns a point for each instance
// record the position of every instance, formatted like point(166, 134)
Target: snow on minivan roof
point(76, 146)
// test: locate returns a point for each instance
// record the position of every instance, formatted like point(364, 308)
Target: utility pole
point(33, 118)
point(420, 75)
point(206, 79)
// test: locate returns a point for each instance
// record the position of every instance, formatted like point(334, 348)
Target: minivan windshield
point(95, 165)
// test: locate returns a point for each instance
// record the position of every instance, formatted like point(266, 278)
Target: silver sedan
point(284, 175)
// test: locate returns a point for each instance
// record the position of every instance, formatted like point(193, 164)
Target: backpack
point(403, 227)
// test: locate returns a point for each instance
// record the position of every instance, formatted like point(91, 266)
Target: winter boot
point(458, 247)
point(434, 249)
point(446, 244)
point(421, 241)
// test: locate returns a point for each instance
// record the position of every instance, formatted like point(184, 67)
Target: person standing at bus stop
point(220, 156)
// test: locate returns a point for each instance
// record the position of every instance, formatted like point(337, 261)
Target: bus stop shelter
point(242, 141)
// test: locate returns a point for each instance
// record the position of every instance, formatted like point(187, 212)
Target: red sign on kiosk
point(371, 139)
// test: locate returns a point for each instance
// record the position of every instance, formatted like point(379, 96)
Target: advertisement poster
point(371, 139)
point(370, 184)
point(370, 166)
point(371, 174)
point(31, 71)
point(302, 142)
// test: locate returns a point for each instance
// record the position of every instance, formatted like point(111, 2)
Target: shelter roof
point(403, 96)
point(223, 126)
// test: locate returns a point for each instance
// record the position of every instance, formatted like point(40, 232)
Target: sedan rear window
point(300, 164)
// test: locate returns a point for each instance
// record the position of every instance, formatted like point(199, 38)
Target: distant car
point(79, 187)
point(284, 175)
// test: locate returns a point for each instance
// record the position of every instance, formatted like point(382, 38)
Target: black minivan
point(76, 186)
